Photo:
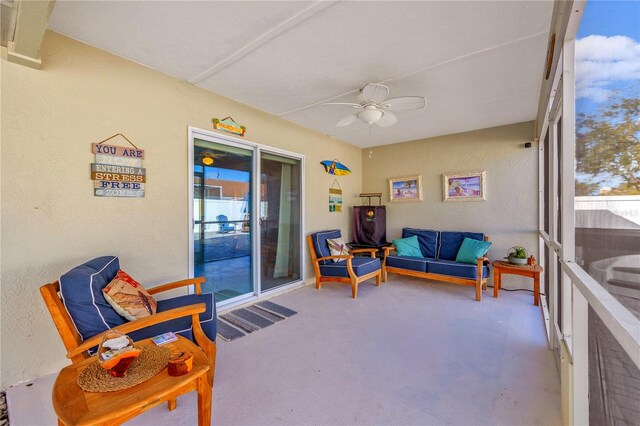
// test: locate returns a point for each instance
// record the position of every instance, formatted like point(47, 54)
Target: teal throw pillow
point(471, 250)
point(408, 247)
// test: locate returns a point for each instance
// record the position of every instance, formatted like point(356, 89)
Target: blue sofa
point(439, 250)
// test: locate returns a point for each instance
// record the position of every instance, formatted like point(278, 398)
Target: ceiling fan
point(208, 157)
point(375, 108)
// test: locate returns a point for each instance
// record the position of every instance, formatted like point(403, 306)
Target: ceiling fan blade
point(374, 92)
point(343, 104)
point(388, 119)
point(347, 120)
point(404, 103)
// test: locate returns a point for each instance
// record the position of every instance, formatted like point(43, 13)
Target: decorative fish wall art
point(334, 167)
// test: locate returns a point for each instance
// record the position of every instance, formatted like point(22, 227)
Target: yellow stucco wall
point(50, 219)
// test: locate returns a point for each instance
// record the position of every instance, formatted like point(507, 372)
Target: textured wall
point(510, 214)
point(50, 219)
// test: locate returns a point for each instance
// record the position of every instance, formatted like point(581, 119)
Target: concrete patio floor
point(410, 352)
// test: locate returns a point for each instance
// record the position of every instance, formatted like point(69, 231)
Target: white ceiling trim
point(264, 38)
point(418, 71)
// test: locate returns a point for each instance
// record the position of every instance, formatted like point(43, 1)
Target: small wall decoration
point(335, 167)
point(118, 170)
point(335, 197)
point(405, 189)
point(464, 186)
point(229, 125)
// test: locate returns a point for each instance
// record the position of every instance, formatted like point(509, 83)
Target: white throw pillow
point(337, 247)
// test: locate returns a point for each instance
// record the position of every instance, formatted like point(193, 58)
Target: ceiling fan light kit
point(376, 108)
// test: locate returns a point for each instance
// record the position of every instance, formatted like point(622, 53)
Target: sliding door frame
point(257, 149)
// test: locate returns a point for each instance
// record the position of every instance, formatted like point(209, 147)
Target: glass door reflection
point(222, 202)
point(280, 224)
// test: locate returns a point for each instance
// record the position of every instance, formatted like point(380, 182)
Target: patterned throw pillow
point(337, 247)
point(129, 298)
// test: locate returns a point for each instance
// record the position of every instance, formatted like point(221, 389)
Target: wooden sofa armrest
point(342, 256)
point(197, 281)
point(372, 251)
point(183, 311)
point(388, 249)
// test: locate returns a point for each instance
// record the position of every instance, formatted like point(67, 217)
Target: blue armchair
point(80, 311)
point(353, 270)
point(225, 226)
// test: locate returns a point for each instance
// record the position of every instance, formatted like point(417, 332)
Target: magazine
point(164, 338)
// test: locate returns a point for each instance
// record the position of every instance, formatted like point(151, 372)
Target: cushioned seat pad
point(182, 325)
point(81, 290)
point(451, 268)
point(412, 263)
point(361, 266)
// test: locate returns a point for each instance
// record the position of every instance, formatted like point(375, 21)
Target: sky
point(607, 53)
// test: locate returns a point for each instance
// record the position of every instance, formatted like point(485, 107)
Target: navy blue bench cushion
point(182, 325)
point(411, 263)
point(81, 290)
point(361, 266)
point(450, 243)
point(454, 269)
point(320, 243)
point(427, 238)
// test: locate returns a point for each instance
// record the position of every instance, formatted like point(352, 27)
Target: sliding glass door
point(237, 188)
point(280, 230)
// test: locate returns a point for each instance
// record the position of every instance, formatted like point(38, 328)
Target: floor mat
point(235, 324)
point(228, 332)
point(275, 308)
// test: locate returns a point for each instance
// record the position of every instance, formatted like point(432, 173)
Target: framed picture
point(464, 186)
point(405, 189)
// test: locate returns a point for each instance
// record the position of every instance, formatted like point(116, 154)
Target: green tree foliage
point(608, 144)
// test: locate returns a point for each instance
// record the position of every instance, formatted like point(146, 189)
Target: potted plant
point(517, 255)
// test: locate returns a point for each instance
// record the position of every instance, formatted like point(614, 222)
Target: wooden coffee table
point(73, 406)
point(500, 267)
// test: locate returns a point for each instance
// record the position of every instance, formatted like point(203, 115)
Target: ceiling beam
point(269, 35)
point(32, 19)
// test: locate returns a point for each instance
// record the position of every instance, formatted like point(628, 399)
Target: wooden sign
point(229, 125)
point(118, 170)
point(118, 161)
point(118, 151)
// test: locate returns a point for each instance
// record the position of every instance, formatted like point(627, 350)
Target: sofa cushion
point(408, 247)
point(450, 243)
point(320, 245)
point(471, 250)
point(81, 290)
point(182, 326)
point(455, 269)
point(361, 266)
point(427, 238)
point(411, 263)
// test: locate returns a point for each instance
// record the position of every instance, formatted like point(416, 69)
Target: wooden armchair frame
point(352, 279)
point(479, 283)
point(77, 349)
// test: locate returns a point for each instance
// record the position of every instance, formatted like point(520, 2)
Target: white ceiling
point(479, 64)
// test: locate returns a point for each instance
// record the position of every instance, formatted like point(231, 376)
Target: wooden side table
point(73, 406)
point(500, 267)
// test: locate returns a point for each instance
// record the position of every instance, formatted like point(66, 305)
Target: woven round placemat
point(152, 360)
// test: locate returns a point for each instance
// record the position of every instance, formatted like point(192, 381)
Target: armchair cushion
point(182, 325)
point(129, 298)
point(361, 266)
point(411, 263)
point(337, 247)
point(427, 239)
point(455, 269)
point(81, 290)
point(450, 243)
point(320, 243)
